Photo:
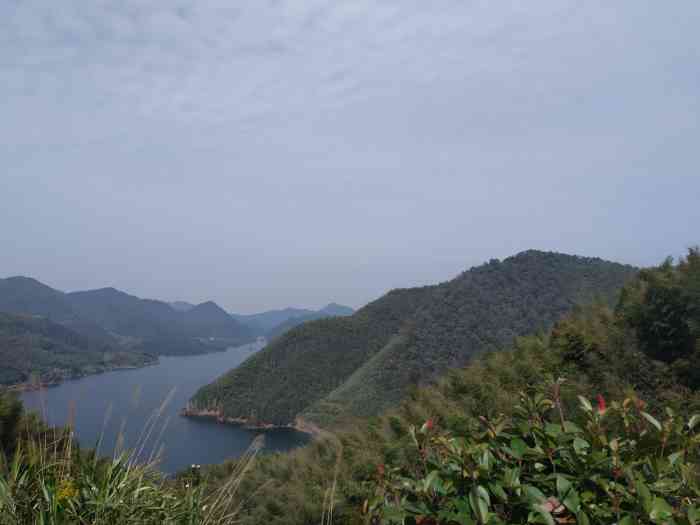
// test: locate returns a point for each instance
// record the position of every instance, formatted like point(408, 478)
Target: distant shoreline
point(43, 385)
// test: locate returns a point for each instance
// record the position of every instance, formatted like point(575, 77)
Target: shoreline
point(300, 425)
point(43, 385)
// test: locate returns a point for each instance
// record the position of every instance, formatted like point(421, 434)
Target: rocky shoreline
point(300, 425)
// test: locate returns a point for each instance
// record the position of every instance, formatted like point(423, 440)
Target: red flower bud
point(429, 424)
point(601, 404)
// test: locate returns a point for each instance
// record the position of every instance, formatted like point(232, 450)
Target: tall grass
point(49, 480)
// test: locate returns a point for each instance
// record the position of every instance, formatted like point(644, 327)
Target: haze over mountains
point(108, 322)
point(361, 364)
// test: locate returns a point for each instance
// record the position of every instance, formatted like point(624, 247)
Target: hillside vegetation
point(367, 362)
point(34, 346)
point(592, 422)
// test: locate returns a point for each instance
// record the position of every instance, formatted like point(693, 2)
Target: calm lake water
point(127, 399)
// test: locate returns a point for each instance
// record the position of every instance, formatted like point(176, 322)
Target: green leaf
point(660, 511)
point(651, 419)
point(518, 448)
point(582, 519)
point(693, 515)
point(497, 490)
point(533, 494)
point(627, 520)
point(568, 495)
point(644, 494)
point(581, 446)
point(479, 500)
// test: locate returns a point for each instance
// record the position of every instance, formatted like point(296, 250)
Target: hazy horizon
point(292, 153)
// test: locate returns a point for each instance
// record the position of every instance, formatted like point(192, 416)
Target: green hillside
point(364, 363)
point(33, 346)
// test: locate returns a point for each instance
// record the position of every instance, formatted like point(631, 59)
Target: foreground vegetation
point(45, 478)
point(366, 363)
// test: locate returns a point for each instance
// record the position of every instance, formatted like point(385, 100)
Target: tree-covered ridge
point(307, 363)
point(36, 346)
point(373, 471)
point(364, 363)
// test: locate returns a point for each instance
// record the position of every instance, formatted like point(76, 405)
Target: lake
point(126, 400)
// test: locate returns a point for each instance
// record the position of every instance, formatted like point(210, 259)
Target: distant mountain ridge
point(361, 364)
point(122, 321)
point(275, 322)
point(330, 310)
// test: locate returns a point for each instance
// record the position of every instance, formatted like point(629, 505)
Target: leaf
point(518, 448)
point(651, 419)
point(627, 520)
point(497, 490)
point(585, 404)
point(568, 495)
point(581, 446)
point(479, 500)
point(533, 494)
point(582, 519)
point(694, 420)
point(661, 511)
point(693, 515)
point(673, 458)
point(644, 494)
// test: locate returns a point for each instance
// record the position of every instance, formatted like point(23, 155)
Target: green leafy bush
point(619, 465)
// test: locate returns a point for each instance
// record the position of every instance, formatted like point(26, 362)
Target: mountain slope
point(52, 352)
point(360, 364)
point(158, 327)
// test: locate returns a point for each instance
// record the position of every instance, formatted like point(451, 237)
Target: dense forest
point(591, 422)
point(365, 363)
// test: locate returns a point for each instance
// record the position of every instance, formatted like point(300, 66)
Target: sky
point(271, 153)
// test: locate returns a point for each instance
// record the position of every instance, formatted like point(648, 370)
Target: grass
point(50, 480)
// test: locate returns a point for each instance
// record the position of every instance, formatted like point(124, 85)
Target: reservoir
point(143, 405)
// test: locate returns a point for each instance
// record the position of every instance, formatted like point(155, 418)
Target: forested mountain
point(112, 321)
point(51, 351)
point(157, 322)
point(597, 416)
point(330, 310)
point(210, 320)
point(361, 364)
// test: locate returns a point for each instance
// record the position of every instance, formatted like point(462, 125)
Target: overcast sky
point(273, 153)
